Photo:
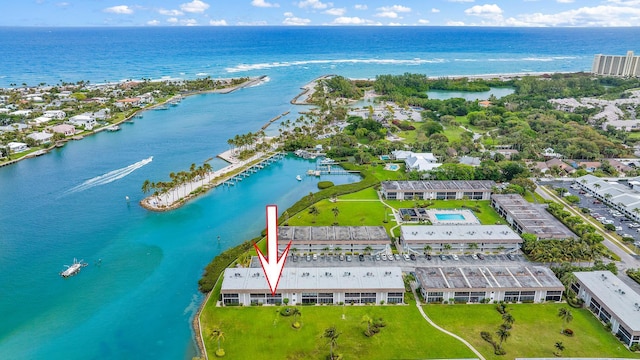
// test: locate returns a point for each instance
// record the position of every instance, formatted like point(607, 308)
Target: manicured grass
point(351, 213)
point(529, 196)
point(487, 215)
point(381, 174)
point(252, 332)
point(453, 133)
point(366, 194)
point(412, 136)
point(534, 333)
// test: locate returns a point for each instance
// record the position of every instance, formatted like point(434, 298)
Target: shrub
point(325, 185)
point(220, 353)
point(286, 311)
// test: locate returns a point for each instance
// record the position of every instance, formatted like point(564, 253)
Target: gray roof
point(439, 185)
point(301, 234)
point(463, 233)
point(324, 278)
point(533, 218)
point(617, 296)
point(484, 278)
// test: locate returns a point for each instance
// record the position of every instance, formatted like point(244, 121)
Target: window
point(395, 297)
point(434, 296)
point(625, 336)
point(230, 299)
point(604, 315)
point(512, 296)
point(392, 195)
point(274, 299)
point(553, 296)
point(594, 306)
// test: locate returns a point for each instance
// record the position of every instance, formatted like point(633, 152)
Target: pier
point(328, 166)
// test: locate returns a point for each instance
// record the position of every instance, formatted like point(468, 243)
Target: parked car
point(361, 257)
point(474, 256)
point(510, 257)
point(315, 257)
point(412, 257)
point(455, 257)
point(349, 258)
point(384, 257)
point(480, 256)
point(378, 258)
point(341, 257)
point(396, 256)
point(294, 258)
point(308, 257)
point(406, 257)
point(443, 257)
point(597, 202)
point(428, 256)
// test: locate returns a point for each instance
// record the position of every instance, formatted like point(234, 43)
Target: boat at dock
point(298, 177)
point(73, 268)
point(113, 128)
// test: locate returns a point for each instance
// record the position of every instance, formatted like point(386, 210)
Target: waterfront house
point(66, 129)
point(40, 137)
point(40, 120)
point(22, 113)
point(83, 120)
point(17, 147)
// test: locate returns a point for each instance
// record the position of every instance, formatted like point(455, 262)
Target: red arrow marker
point(272, 265)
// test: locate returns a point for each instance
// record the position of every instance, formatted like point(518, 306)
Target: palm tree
point(218, 335)
point(368, 249)
point(566, 316)
point(503, 334)
point(508, 319)
point(146, 186)
point(473, 246)
point(335, 211)
point(314, 211)
point(331, 334)
point(446, 247)
point(366, 319)
point(295, 312)
point(427, 249)
point(560, 346)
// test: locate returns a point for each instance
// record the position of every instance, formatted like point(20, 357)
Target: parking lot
point(406, 265)
point(624, 227)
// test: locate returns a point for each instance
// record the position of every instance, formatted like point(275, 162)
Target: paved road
point(627, 260)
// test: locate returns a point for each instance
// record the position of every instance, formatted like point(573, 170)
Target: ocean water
point(139, 293)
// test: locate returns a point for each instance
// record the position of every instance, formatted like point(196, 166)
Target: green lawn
point(534, 333)
point(252, 332)
point(381, 174)
point(366, 194)
point(453, 132)
point(486, 215)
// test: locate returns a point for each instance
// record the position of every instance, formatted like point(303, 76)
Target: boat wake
point(109, 177)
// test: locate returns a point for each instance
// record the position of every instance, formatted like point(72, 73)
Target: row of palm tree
point(245, 141)
point(195, 173)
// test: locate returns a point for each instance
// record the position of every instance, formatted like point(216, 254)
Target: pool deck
point(468, 217)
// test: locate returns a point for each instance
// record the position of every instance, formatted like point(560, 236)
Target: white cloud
point(486, 10)
point(395, 8)
point(296, 21)
point(625, 2)
point(170, 12)
point(196, 6)
point(360, 7)
point(189, 22)
point(565, 1)
point(602, 15)
point(336, 11)
point(63, 4)
point(461, 1)
point(252, 23)
point(314, 4)
point(395, 24)
point(222, 22)
point(344, 20)
point(120, 9)
point(153, 22)
point(434, 10)
point(387, 14)
point(264, 4)
point(423, 21)
point(172, 20)
point(455, 23)
point(288, 14)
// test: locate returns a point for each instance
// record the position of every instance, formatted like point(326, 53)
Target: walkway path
point(424, 315)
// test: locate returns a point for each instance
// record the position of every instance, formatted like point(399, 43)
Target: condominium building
point(459, 239)
point(617, 65)
point(438, 189)
point(475, 284)
point(611, 301)
point(323, 285)
point(317, 239)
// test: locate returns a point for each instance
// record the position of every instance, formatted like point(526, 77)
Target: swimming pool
point(449, 217)
point(392, 167)
point(385, 157)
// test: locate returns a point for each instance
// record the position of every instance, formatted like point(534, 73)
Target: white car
point(384, 257)
point(406, 257)
point(455, 257)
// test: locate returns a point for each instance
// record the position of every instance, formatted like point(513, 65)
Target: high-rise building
point(617, 65)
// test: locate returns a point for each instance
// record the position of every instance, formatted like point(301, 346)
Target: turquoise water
point(471, 96)
point(139, 299)
point(445, 217)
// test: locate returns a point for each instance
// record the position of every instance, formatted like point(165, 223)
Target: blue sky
point(548, 13)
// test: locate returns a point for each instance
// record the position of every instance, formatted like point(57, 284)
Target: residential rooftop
point(330, 278)
point(614, 294)
point(477, 233)
point(488, 277)
point(435, 185)
point(332, 233)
